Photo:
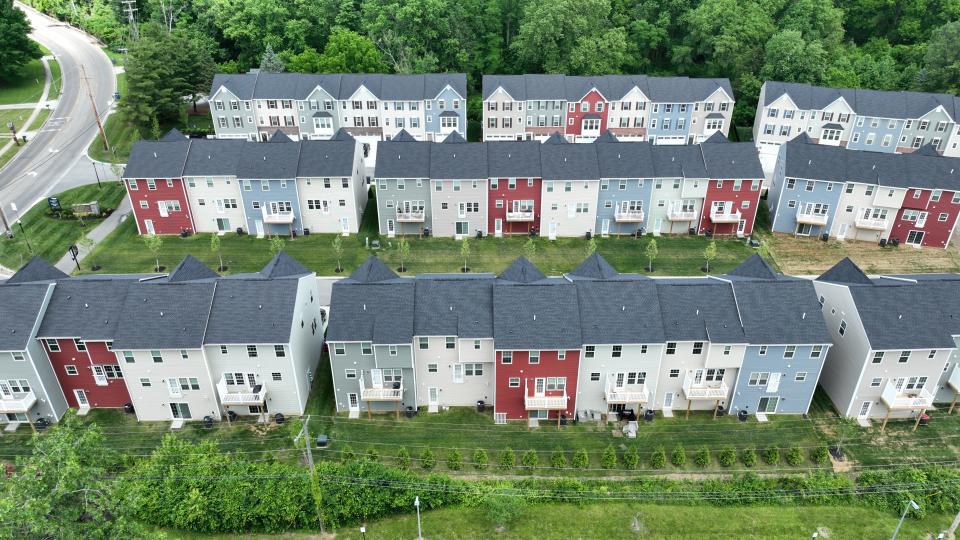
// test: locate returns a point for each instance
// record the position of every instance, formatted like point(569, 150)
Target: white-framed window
point(789, 351)
point(875, 382)
point(71, 369)
point(843, 328)
point(252, 351)
point(904, 357)
point(350, 373)
point(506, 357)
point(877, 357)
point(816, 351)
point(339, 349)
point(423, 343)
point(801, 376)
point(52, 345)
point(276, 376)
point(450, 342)
point(534, 357)
point(392, 350)
point(432, 368)
point(366, 348)
point(157, 357)
point(514, 382)
point(145, 382)
point(672, 347)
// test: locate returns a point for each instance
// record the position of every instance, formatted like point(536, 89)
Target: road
point(55, 159)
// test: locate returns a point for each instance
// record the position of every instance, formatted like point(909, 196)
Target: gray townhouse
point(403, 186)
point(895, 339)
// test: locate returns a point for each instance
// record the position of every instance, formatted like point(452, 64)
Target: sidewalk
point(101, 231)
point(39, 105)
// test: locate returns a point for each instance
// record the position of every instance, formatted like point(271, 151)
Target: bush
point(771, 455)
point(454, 460)
point(507, 459)
point(559, 459)
point(609, 458)
point(403, 458)
point(427, 459)
point(371, 454)
point(727, 456)
point(702, 457)
point(530, 459)
point(503, 509)
point(631, 458)
point(348, 454)
point(480, 459)
point(749, 456)
point(820, 455)
point(794, 456)
point(678, 456)
point(581, 459)
point(658, 459)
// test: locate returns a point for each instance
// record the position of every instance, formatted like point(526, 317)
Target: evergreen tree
point(270, 62)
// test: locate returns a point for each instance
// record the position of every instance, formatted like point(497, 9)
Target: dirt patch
point(823, 532)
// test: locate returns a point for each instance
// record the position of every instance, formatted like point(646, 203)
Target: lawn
point(25, 88)
point(55, 80)
point(17, 116)
point(8, 154)
point(40, 119)
point(49, 236)
point(122, 134)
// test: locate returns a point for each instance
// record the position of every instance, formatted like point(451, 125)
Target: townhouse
point(283, 187)
point(586, 344)
point(176, 347)
point(662, 110)
point(860, 119)
point(895, 341)
point(371, 107)
point(559, 189)
point(852, 194)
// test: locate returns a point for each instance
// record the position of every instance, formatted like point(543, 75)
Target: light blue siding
point(783, 217)
point(448, 96)
point(279, 191)
point(883, 129)
point(633, 191)
point(678, 112)
point(794, 396)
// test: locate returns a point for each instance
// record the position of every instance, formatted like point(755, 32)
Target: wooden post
point(29, 421)
point(920, 415)
point(397, 407)
point(885, 418)
point(369, 414)
point(715, 408)
point(558, 419)
point(954, 403)
point(689, 404)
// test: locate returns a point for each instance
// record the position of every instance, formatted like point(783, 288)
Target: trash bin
point(128, 408)
point(323, 441)
point(648, 415)
point(279, 419)
point(208, 422)
point(481, 406)
point(924, 419)
point(721, 410)
point(742, 415)
point(410, 411)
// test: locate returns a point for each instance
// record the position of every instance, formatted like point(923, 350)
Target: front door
point(921, 219)
point(698, 376)
point(915, 238)
point(668, 400)
point(353, 402)
point(345, 226)
point(162, 208)
point(865, 409)
point(258, 227)
point(605, 227)
point(458, 373)
point(768, 405)
point(148, 225)
point(99, 375)
point(741, 227)
point(620, 377)
point(553, 230)
point(657, 226)
point(391, 229)
point(180, 411)
point(81, 396)
point(842, 233)
point(433, 396)
point(498, 228)
point(173, 386)
point(538, 387)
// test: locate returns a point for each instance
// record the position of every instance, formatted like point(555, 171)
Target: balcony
point(520, 215)
point(18, 405)
point(723, 216)
point(712, 391)
point(954, 380)
point(394, 392)
point(812, 218)
point(626, 394)
point(628, 216)
point(871, 223)
point(281, 218)
point(241, 394)
point(545, 402)
point(917, 398)
point(680, 214)
point(410, 217)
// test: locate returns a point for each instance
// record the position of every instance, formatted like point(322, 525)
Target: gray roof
point(36, 269)
point(448, 113)
point(240, 84)
point(754, 267)
point(625, 160)
point(379, 312)
point(731, 160)
point(372, 270)
point(569, 162)
point(157, 159)
point(276, 160)
point(403, 159)
point(20, 306)
point(259, 85)
point(173, 135)
point(214, 157)
point(252, 311)
point(454, 305)
point(160, 315)
point(282, 266)
point(454, 137)
point(85, 309)
point(191, 269)
point(513, 159)
point(538, 315)
point(898, 316)
point(595, 267)
point(403, 136)
point(781, 312)
point(327, 158)
point(458, 161)
point(606, 136)
point(522, 271)
point(846, 272)
point(613, 312)
point(864, 102)
point(613, 87)
point(556, 138)
point(699, 310)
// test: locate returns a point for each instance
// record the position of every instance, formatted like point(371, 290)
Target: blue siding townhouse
point(268, 185)
point(808, 180)
point(626, 185)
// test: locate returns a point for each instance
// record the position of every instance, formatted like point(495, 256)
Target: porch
point(696, 389)
point(900, 399)
point(241, 394)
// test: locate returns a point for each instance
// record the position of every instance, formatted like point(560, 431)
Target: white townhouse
point(570, 190)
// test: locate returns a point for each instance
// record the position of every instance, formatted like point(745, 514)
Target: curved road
point(44, 166)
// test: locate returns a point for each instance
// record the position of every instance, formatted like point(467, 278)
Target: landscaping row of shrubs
point(630, 459)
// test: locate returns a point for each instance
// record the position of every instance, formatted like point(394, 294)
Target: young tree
point(403, 458)
point(651, 251)
point(270, 62)
point(591, 247)
point(580, 459)
point(503, 509)
point(465, 252)
point(427, 459)
point(608, 460)
point(215, 249)
point(678, 456)
point(559, 459)
point(154, 244)
point(403, 250)
point(530, 459)
point(529, 248)
point(658, 458)
point(710, 253)
point(480, 459)
point(276, 244)
point(338, 251)
point(16, 49)
point(454, 460)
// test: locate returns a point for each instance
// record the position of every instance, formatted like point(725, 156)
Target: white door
point(921, 219)
point(768, 405)
point(605, 227)
point(391, 229)
point(162, 207)
point(433, 396)
point(353, 402)
point(741, 227)
point(620, 377)
point(81, 396)
point(498, 228)
point(173, 386)
point(376, 378)
point(698, 376)
point(774, 383)
point(668, 400)
point(258, 227)
point(842, 233)
point(99, 376)
point(345, 226)
point(148, 225)
point(657, 226)
point(538, 386)
point(553, 230)
point(865, 409)
point(458, 373)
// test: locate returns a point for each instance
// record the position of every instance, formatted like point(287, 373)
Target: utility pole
point(13, 129)
point(6, 225)
point(305, 433)
point(130, 8)
point(93, 104)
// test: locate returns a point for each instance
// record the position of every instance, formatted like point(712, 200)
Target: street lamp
point(896, 531)
point(16, 217)
point(416, 502)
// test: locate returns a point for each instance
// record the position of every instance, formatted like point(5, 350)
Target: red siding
point(175, 222)
point(510, 400)
point(593, 97)
point(114, 394)
point(936, 233)
point(503, 193)
point(727, 193)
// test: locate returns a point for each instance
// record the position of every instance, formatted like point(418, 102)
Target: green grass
point(26, 87)
point(55, 80)
point(6, 156)
point(49, 236)
point(40, 119)
point(17, 116)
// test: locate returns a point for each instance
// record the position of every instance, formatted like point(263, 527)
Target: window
point(674, 373)
point(52, 345)
point(366, 348)
point(190, 383)
point(183, 354)
point(617, 351)
point(506, 357)
point(432, 368)
point(451, 343)
point(789, 352)
point(80, 346)
point(697, 347)
point(18, 357)
point(801, 376)
point(514, 382)
point(590, 351)
point(71, 370)
point(473, 370)
point(252, 351)
point(392, 350)
point(904, 357)
point(424, 343)
point(157, 357)
point(791, 183)
point(276, 376)
point(144, 382)
point(339, 349)
point(476, 344)
point(350, 373)
point(931, 355)
point(816, 351)
point(561, 355)
point(672, 347)
point(534, 357)
point(758, 378)
point(763, 350)
point(843, 328)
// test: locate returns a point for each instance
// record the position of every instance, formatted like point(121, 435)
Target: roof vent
point(804, 316)
point(86, 305)
point(260, 306)
point(564, 159)
point(534, 316)
point(900, 316)
point(508, 154)
point(364, 307)
point(154, 154)
point(623, 308)
point(698, 311)
point(673, 158)
point(161, 314)
point(208, 156)
point(809, 162)
point(264, 158)
point(618, 156)
point(454, 155)
point(451, 308)
point(874, 167)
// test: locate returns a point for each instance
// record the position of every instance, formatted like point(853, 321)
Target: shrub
point(403, 458)
point(794, 456)
point(771, 455)
point(702, 457)
point(480, 459)
point(503, 509)
point(348, 454)
point(749, 456)
point(581, 459)
point(371, 454)
point(454, 460)
point(507, 459)
point(559, 459)
point(530, 459)
point(678, 456)
point(727, 456)
point(609, 458)
point(427, 459)
point(658, 458)
point(820, 455)
point(631, 458)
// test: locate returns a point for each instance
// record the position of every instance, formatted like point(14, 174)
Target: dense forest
point(882, 44)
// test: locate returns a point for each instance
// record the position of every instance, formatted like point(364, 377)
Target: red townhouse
point(79, 323)
point(154, 180)
point(513, 204)
point(733, 191)
point(927, 217)
point(537, 341)
point(586, 109)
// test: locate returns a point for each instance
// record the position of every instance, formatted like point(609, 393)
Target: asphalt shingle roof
point(299, 86)
point(899, 316)
point(36, 269)
point(157, 159)
point(379, 312)
point(846, 272)
point(252, 311)
point(85, 309)
point(754, 267)
point(699, 310)
point(865, 102)
point(191, 269)
point(282, 266)
point(614, 312)
point(781, 312)
point(522, 271)
point(20, 306)
point(160, 315)
point(613, 87)
point(454, 305)
point(458, 161)
point(539, 315)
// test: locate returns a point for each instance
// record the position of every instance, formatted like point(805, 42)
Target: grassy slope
point(17, 116)
point(26, 88)
point(49, 236)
